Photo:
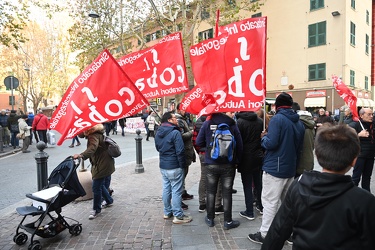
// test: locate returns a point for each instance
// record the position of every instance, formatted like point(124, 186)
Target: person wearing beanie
point(24, 130)
point(283, 143)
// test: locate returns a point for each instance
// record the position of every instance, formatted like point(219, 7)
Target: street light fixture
point(93, 14)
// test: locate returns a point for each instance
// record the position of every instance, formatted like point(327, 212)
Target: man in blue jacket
point(169, 144)
point(283, 144)
point(217, 170)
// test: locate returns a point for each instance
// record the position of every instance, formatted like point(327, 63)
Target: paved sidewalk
point(135, 221)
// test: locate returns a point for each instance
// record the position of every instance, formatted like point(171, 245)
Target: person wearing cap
point(4, 124)
point(283, 143)
point(25, 130)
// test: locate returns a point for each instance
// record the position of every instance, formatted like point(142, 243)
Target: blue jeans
point(363, 167)
point(225, 173)
point(99, 191)
point(14, 140)
point(172, 190)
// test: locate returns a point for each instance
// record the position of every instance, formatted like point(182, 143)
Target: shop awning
point(315, 102)
point(361, 102)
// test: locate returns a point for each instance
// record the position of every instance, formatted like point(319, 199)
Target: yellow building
point(309, 41)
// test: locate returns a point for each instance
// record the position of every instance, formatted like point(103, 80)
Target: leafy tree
point(14, 15)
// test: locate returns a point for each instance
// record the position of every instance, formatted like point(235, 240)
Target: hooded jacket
point(306, 161)
point(13, 122)
point(324, 211)
point(205, 136)
point(23, 127)
point(250, 126)
point(169, 144)
point(283, 144)
point(102, 164)
point(40, 122)
point(187, 136)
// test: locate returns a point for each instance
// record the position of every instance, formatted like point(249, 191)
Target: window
point(317, 34)
point(316, 4)
point(207, 34)
point(317, 72)
point(367, 46)
point(366, 82)
point(352, 33)
point(352, 78)
point(367, 17)
point(257, 15)
point(352, 4)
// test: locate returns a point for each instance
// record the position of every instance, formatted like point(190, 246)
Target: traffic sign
point(11, 82)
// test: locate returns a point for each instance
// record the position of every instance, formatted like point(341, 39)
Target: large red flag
point(159, 70)
point(231, 68)
point(102, 92)
point(346, 94)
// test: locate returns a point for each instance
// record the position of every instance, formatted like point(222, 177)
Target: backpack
point(112, 147)
point(223, 144)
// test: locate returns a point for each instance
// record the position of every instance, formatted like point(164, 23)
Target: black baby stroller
point(65, 187)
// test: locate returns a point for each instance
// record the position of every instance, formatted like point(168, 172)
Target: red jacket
point(40, 122)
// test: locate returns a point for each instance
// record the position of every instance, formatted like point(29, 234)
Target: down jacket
point(283, 144)
point(169, 144)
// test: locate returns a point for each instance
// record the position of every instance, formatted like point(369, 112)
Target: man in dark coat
point(364, 165)
point(216, 170)
point(325, 210)
point(251, 127)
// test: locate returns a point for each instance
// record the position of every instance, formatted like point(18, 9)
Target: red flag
point(231, 68)
point(102, 92)
point(159, 70)
point(346, 94)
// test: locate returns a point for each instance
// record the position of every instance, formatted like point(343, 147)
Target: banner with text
point(159, 70)
point(346, 94)
point(102, 92)
point(231, 68)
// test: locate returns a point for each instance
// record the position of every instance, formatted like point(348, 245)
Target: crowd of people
point(275, 158)
point(18, 126)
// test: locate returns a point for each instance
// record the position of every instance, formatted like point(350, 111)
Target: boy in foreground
point(326, 210)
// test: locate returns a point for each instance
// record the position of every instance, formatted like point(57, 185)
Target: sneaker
point(105, 204)
point(290, 240)
point(256, 238)
point(168, 216)
point(219, 210)
point(182, 219)
point(232, 224)
point(209, 222)
point(186, 196)
point(247, 216)
point(78, 144)
point(259, 208)
point(93, 214)
point(71, 146)
point(184, 206)
point(202, 208)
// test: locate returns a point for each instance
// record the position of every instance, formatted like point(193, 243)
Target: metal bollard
point(41, 165)
point(1, 139)
point(138, 153)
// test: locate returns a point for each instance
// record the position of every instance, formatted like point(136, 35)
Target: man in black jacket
point(325, 210)
point(364, 165)
point(250, 166)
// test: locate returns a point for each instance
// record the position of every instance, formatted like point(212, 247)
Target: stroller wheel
point(75, 229)
point(35, 245)
point(20, 238)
